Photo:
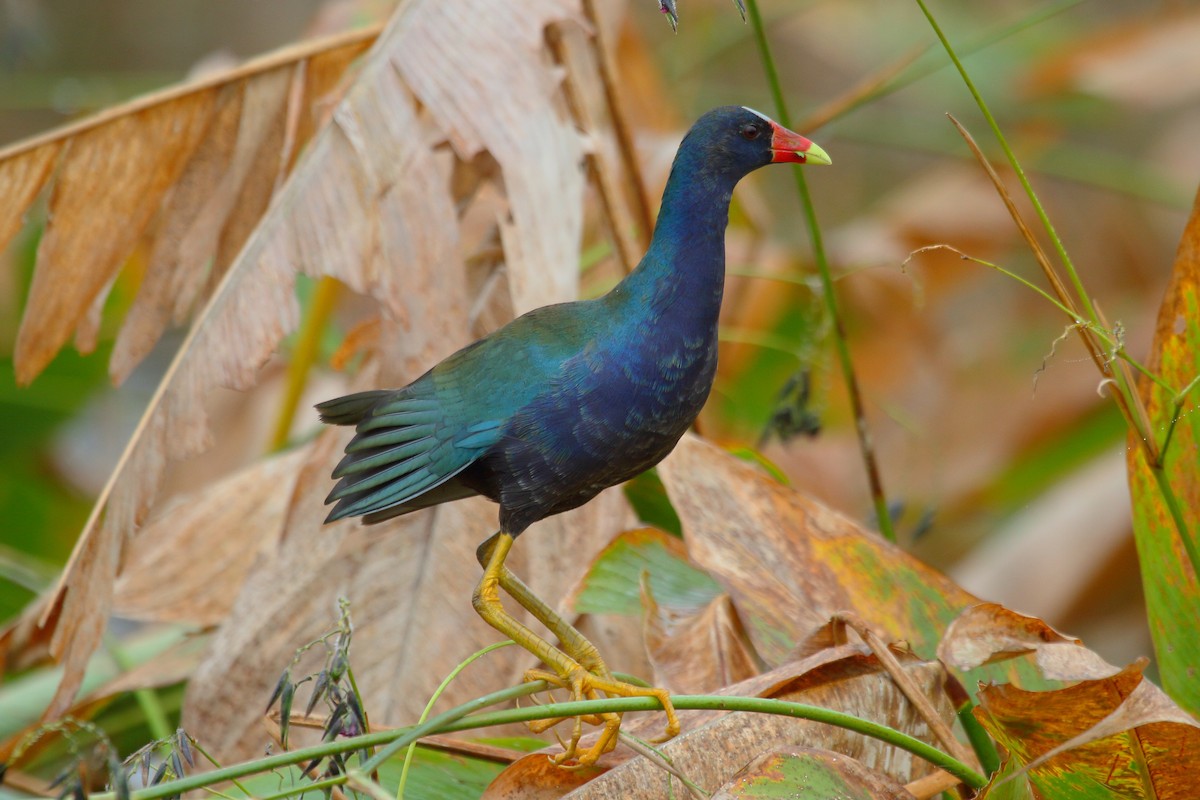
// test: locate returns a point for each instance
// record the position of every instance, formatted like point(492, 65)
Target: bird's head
point(738, 140)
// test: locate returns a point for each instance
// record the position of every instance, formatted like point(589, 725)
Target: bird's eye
point(750, 131)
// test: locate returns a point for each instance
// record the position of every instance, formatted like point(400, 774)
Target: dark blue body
point(569, 399)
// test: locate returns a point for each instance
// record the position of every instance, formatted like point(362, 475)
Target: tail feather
point(350, 410)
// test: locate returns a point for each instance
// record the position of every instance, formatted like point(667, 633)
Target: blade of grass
point(1168, 590)
point(922, 71)
point(1060, 290)
point(304, 355)
point(841, 346)
point(1076, 320)
point(1141, 428)
point(147, 699)
point(412, 749)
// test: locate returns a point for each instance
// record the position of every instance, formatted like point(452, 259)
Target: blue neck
point(683, 273)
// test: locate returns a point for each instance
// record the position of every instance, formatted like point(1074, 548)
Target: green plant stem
point(1064, 257)
point(1177, 408)
point(1154, 455)
point(921, 71)
point(362, 782)
point(457, 719)
point(981, 743)
point(1100, 332)
point(304, 355)
point(359, 699)
point(874, 480)
point(766, 341)
point(200, 749)
point(325, 749)
point(759, 705)
point(412, 748)
point(314, 786)
point(147, 699)
point(445, 719)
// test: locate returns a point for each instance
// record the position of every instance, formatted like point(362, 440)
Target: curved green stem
point(462, 718)
point(1099, 331)
point(412, 748)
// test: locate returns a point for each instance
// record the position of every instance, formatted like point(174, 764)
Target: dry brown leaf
point(204, 204)
point(409, 582)
point(21, 178)
point(195, 554)
point(192, 215)
point(119, 171)
point(511, 107)
point(536, 777)
point(260, 160)
point(697, 652)
point(368, 195)
point(716, 744)
point(112, 171)
point(324, 78)
point(629, 225)
point(810, 773)
point(989, 632)
point(790, 563)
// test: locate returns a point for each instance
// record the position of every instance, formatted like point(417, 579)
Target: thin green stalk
point(766, 341)
point(981, 743)
point(874, 479)
point(147, 699)
point(200, 749)
point(760, 705)
point(362, 782)
point(1177, 408)
point(325, 749)
point(358, 699)
point(304, 355)
point(922, 71)
point(1063, 256)
point(1154, 454)
point(794, 280)
point(1100, 332)
point(314, 786)
point(445, 719)
point(412, 748)
point(457, 719)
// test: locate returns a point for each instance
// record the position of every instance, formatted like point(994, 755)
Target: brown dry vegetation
point(346, 211)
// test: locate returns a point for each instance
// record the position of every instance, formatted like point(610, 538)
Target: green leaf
point(613, 585)
point(1168, 562)
point(804, 773)
point(649, 500)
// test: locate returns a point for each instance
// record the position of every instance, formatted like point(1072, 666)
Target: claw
point(577, 667)
point(583, 685)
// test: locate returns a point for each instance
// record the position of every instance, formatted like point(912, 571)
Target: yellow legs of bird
point(577, 666)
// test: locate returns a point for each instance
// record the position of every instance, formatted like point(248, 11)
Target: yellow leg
point(570, 640)
point(579, 670)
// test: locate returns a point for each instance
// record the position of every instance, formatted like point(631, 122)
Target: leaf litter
point(369, 193)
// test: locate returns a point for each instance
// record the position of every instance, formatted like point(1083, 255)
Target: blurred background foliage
point(1003, 464)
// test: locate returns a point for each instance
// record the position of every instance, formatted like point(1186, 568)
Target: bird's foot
point(584, 685)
